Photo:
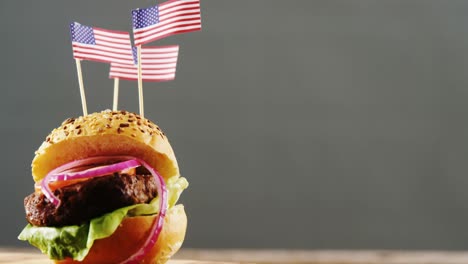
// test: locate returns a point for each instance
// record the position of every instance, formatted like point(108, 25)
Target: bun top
point(106, 133)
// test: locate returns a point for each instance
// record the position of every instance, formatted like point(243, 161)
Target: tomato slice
point(57, 184)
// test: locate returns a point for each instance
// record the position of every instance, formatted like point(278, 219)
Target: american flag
point(157, 64)
point(168, 18)
point(102, 45)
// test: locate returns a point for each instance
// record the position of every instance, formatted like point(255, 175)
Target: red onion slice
point(88, 173)
point(158, 222)
point(89, 161)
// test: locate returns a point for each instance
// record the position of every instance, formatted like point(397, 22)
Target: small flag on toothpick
point(156, 22)
point(158, 64)
point(168, 18)
point(102, 45)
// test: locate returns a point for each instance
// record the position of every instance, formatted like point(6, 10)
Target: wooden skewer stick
point(140, 83)
point(116, 94)
point(80, 82)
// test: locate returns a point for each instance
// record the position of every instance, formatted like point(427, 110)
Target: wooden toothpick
point(116, 94)
point(140, 83)
point(82, 92)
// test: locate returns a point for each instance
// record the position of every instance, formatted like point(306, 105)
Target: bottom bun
point(132, 233)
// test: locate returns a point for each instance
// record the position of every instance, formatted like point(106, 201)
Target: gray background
point(299, 124)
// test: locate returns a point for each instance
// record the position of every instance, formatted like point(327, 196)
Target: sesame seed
point(79, 132)
point(69, 120)
point(119, 130)
point(124, 125)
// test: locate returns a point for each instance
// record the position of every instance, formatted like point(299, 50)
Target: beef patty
point(85, 200)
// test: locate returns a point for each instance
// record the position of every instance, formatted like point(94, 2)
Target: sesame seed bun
point(127, 239)
point(102, 134)
point(110, 133)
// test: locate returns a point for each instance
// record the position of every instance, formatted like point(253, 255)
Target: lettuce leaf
point(76, 241)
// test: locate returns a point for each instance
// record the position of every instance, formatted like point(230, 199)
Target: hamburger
point(106, 191)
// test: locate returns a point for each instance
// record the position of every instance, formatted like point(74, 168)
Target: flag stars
point(135, 55)
point(145, 17)
point(82, 34)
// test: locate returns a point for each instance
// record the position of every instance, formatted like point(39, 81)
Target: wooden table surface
point(204, 256)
